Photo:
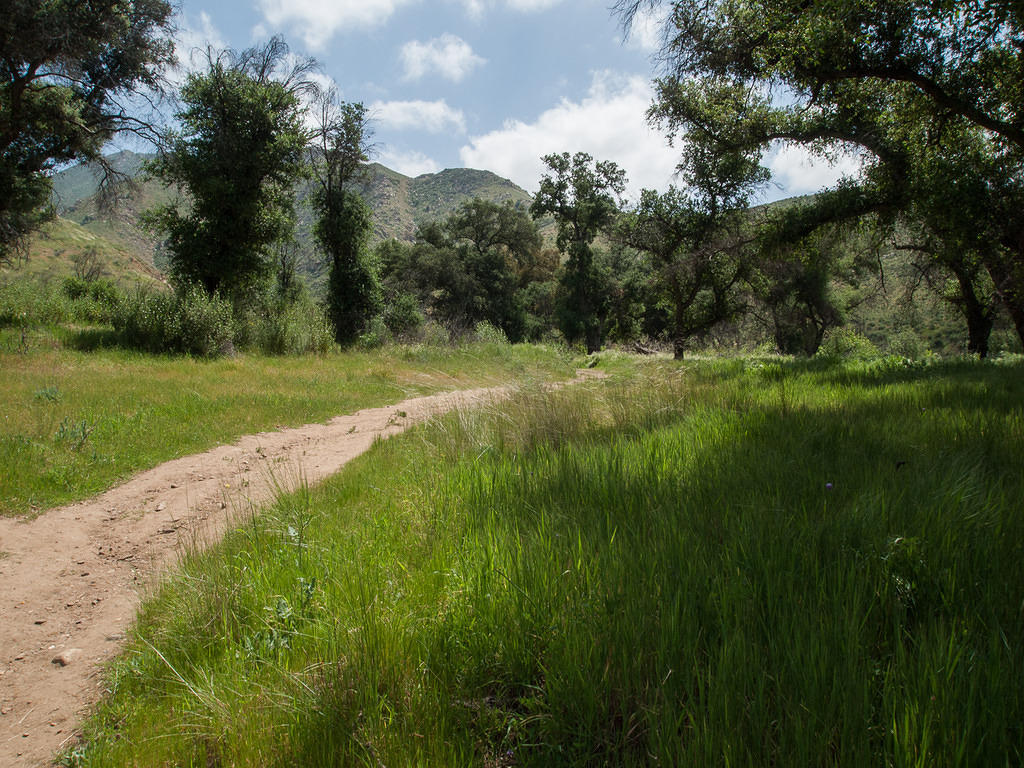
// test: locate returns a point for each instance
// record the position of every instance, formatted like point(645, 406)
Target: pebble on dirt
point(64, 658)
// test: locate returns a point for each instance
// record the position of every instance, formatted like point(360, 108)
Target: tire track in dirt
point(70, 579)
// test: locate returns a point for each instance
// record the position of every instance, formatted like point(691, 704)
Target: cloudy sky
point(491, 84)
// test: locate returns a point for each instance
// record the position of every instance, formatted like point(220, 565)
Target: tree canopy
point(240, 149)
point(927, 92)
point(471, 267)
point(581, 194)
point(67, 71)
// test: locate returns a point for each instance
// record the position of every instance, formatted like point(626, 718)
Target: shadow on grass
point(798, 580)
point(92, 339)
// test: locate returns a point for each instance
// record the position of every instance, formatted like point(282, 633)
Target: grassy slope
point(53, 249)
point(716, 564)
point(76, 422)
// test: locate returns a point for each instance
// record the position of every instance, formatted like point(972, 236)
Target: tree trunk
point(1008, 276)
point(979, 317)
point(678, 348)
point(593, 338)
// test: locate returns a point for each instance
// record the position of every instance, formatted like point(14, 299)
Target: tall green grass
point(713, 564)
point(73, 423)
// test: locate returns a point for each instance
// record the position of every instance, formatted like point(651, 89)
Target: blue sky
point(490, 84)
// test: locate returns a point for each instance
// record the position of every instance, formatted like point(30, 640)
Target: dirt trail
point(70, 579)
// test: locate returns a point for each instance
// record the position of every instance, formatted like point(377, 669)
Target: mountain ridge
point(399, 203)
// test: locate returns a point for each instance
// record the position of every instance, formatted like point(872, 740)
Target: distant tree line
point(927, 93)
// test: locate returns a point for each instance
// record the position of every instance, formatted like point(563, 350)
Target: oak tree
point(928, 92)
point(68, 72)
point(239, 151)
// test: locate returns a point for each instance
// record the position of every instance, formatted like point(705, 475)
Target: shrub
point(25, 303)
point(847, 344)
point(907, 344)
point(402, 315)
point(376, 334)
point(188, 322)
point(91, 300)
point(432, 334)
point(490, 334)
point(292, 328)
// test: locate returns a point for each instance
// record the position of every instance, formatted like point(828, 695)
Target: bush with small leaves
point(847, 344)
point(189, 322)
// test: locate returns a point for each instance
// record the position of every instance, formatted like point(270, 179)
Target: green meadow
point(75, 422)
point(748, 562)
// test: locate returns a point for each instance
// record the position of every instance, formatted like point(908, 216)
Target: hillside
point(399, 203)
point(63, 247)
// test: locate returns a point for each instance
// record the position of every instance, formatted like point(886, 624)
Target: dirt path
point(70, 579)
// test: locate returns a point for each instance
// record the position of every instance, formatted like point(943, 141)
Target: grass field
point(740, 563)
point(76, 422)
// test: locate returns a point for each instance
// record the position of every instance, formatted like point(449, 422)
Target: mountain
point(73, 185)
point(399, 203)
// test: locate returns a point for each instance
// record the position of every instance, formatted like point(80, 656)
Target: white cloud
point(408, 163)
point(474, 8)
point(532, 5)
point(645, 31)
point(430, 116)
point(447, 55)
point(609, 123)
point(317, 21)
point(799, 172)
point(192, 42)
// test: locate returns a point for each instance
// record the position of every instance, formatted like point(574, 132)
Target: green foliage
point(401, 315)
point(617, 576)
point(846, 344)
point(192, 322)
point(343, 225)
point(470, 268)
point(698, 244)
point(28, 302)
point(94, 300)
point(376, 335)
point(486, 333)
point(629, 279)
point(25, 303)
point(353, 285)
point(810, 286)
point(580, 193)
point(189, 322)
point(23, 209)
point(68, 70)
point(927, 91)
point(238, 154)
point(297, 327)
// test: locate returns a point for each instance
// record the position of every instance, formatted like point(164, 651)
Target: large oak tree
point(67, 73)
point(929, 92)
